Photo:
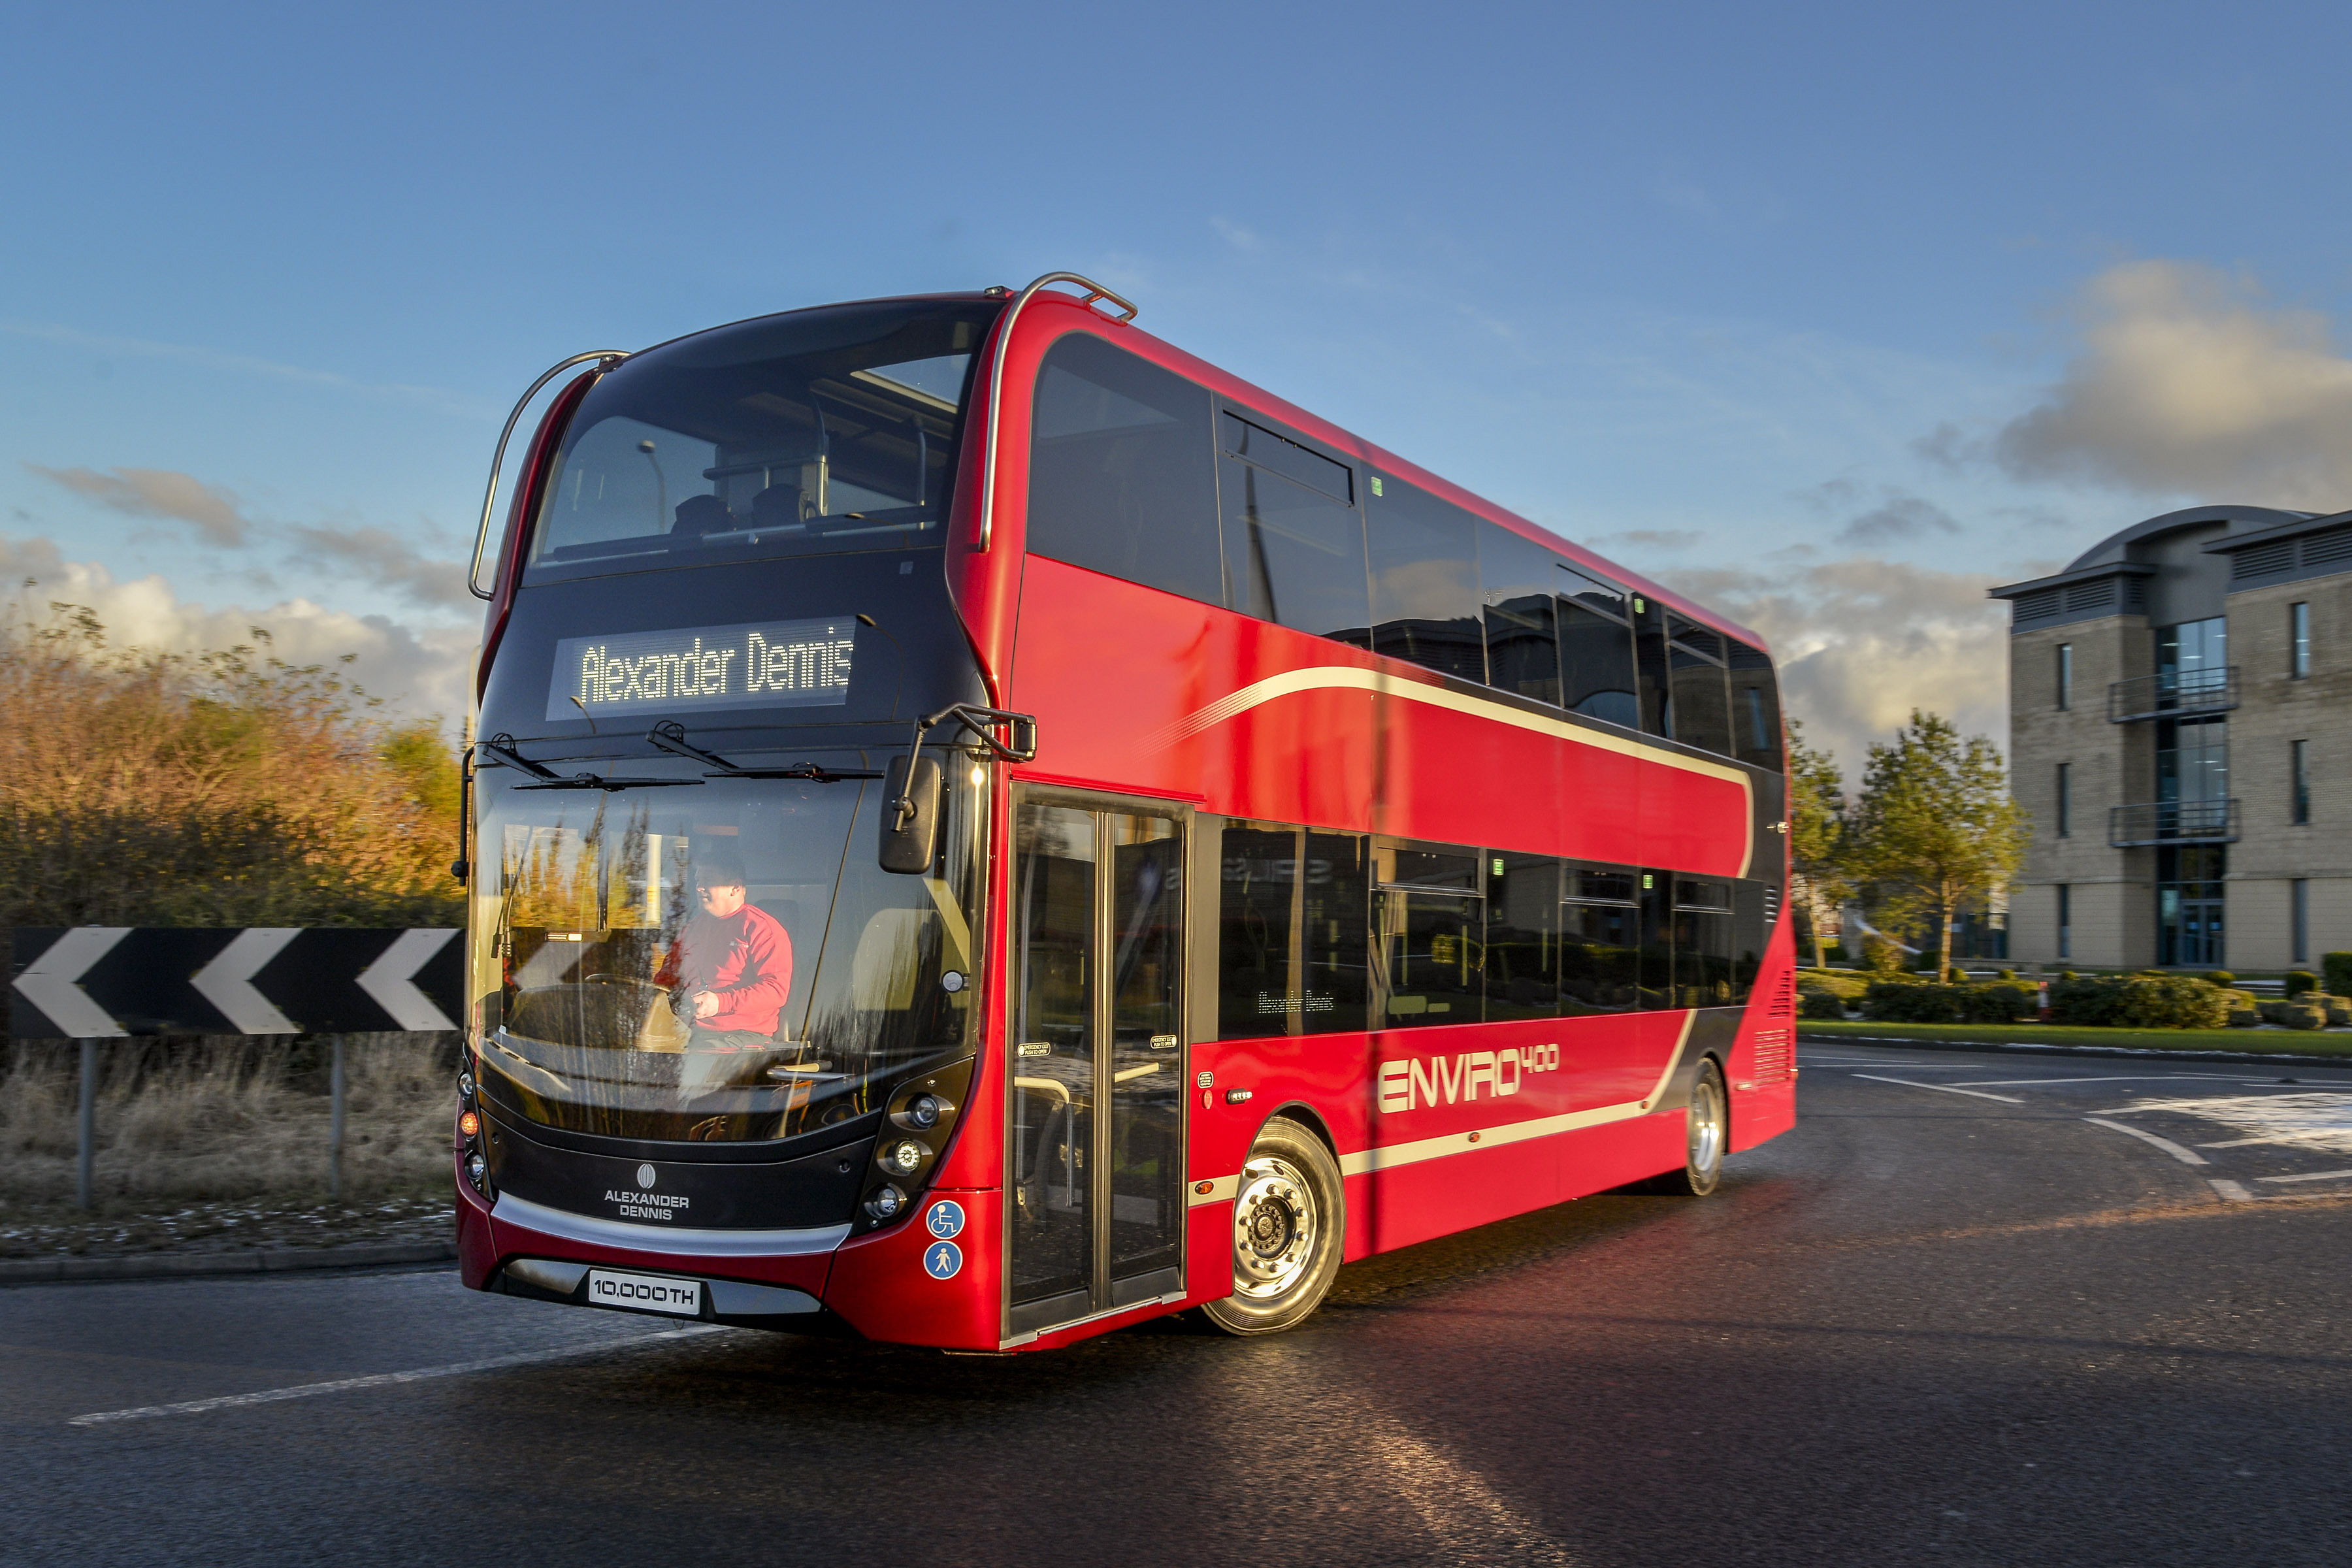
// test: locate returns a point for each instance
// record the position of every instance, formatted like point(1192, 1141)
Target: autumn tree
point(1933, 830)
point(1816, 847)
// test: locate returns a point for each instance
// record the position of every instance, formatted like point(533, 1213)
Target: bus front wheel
point(1709, 1137)
point(1290, 1221)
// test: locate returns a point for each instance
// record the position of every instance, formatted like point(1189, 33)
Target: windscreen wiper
point(501, 750)
point(670, 737)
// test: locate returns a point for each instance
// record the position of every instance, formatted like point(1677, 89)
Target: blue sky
point(1833, 314)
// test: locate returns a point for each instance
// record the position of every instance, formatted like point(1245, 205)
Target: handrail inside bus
point(996, 380)
point(610, 357)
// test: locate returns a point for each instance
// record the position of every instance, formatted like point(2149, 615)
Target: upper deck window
point(1293, 539)
point(1424, 561)
point(1122, 479)
point(813, 432)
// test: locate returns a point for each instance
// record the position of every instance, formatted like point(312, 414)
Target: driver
point(730, 969)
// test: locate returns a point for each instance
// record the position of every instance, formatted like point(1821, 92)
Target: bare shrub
point(191, 1120)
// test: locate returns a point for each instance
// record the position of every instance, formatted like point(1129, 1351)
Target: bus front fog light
point(923, 1110)
point(885, 1202)
point(905, 1157)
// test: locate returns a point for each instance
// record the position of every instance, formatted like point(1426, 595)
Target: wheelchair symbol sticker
point(943, 1260)
point(945, 1219)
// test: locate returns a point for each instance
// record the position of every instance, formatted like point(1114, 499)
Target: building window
point(2065, 920)
point(2299, 918)
point(2065, 800)
point(2302, 784)
point(2065, 675)
point(2298, 631)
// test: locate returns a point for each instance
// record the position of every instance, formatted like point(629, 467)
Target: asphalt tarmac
point(2079, 1312)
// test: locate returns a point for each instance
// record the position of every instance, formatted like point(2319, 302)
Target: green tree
point(1934, 831)
point(1816, 834)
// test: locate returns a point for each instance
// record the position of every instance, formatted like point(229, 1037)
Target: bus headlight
point(923, 1112)
point(885, 1202)
point(475, 1168)
point(904, 1157)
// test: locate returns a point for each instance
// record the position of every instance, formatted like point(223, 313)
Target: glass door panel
point(1147, 1058)
point(1053, 1040)
point(1097, 1200)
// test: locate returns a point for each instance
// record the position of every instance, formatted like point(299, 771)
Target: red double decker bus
point(985, 828)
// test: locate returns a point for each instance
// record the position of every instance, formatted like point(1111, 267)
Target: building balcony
point(2173, 821)
point(2185, 694)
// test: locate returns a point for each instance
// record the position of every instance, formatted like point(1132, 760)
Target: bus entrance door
point(1095, 1111)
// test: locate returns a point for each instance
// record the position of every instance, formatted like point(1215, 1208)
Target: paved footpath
point(1977, 1310)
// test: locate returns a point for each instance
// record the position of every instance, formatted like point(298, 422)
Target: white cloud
point(1860, 641)
point(2188, 383)
point(418, 669)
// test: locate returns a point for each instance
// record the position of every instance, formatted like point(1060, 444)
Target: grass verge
point(2244, 1042)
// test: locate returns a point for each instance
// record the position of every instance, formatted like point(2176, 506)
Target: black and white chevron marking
point(93, 982)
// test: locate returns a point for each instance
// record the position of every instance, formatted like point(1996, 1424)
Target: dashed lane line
point(2230, 1191)
point(384, 1379)
point(1941, 1088)
point(2106, 1078)
point(2186, 1157)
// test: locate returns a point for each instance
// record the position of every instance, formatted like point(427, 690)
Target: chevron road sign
point(94, 981)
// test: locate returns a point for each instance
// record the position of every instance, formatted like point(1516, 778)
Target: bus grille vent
point(1771, 905)
point(1776, 1055)
point(1784, 999)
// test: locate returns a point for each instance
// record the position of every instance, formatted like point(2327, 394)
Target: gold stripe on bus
point(1346, 677)
point(1388, 1156)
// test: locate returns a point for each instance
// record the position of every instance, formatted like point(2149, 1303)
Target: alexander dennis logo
point(647, 1204)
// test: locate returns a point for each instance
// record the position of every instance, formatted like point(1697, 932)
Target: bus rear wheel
point(1290, 1221)
point(1709, 1137)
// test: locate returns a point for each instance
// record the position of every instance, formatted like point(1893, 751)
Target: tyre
point(1710, 1136)
point(1290, 1220)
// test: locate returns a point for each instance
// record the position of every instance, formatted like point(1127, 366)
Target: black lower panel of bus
point(733, 1194)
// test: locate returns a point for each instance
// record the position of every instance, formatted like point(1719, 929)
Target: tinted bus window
point(1596, 650)
point(1523, 919)
point(1294, 540)
point(1703, 942)
point(1600, 940)
point(1656, 690)
point(1515, 577)
point(1122, 476)
point(1702, 706)
point(1755, 706)
point(1424, 572)
point(1292, 933)
point(1431, 930)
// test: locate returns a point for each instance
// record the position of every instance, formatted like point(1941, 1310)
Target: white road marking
point(1448, 1495)
point(2103, 1078)
point(2242, 1143)
point(2306, 1119)
point(2309, 1177)
point(2231, 1192)
point(384, 1379)
point(1941, 1088)
point(2186, 1157)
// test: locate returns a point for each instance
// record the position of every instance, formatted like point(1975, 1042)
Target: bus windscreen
point(718, 962)
point(816, 432)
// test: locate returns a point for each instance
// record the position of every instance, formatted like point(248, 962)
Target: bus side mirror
point(910, 817)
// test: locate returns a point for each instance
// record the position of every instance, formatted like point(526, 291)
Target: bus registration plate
point(645, 1293)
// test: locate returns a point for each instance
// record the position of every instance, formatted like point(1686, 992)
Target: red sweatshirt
point(746, 959)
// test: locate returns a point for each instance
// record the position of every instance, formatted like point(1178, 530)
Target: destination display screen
point(779, 664)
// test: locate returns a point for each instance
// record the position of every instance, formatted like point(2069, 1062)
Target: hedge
point(2139, 1002)
point(1902, 1002)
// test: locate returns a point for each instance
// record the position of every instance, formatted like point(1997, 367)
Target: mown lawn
point(2250, 1042)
